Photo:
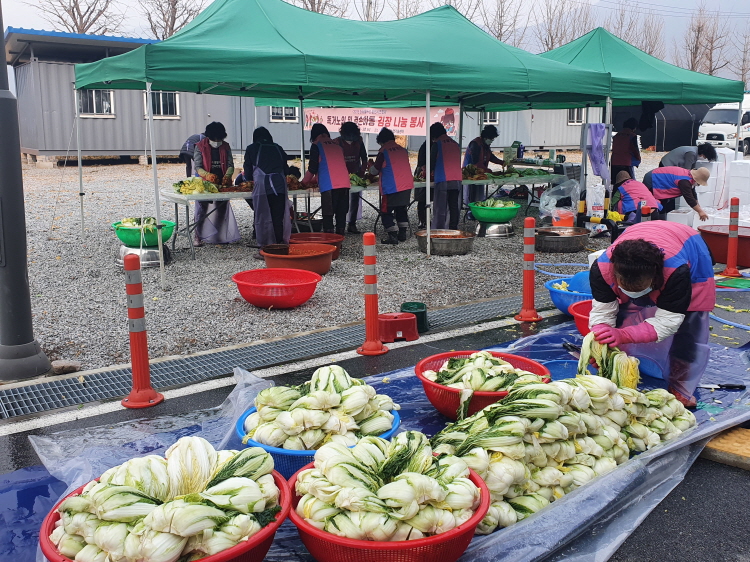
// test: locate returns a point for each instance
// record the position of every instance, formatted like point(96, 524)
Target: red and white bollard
point(733, 242)
point(372, 345)
point(528, 311)
point(142, 395)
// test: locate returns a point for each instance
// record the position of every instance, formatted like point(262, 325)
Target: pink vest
point(395, 174)
point(664, 181)
point(484, 154)
point(633, 192)
point(224, 152)
point(352, 154)
point(332, 172)
point(448, 162)
point(681, 245)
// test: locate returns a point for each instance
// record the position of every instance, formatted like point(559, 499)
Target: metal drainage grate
point(116, 383)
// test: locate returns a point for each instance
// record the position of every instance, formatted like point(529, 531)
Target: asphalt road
point(703, 518)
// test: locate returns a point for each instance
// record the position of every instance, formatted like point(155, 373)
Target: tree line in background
point(708, 42)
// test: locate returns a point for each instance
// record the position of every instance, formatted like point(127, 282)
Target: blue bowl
point(288, 461)
point(562, 369)
point(563, 299)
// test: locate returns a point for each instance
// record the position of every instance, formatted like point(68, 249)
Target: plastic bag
point(560, 203)
point(595, 208)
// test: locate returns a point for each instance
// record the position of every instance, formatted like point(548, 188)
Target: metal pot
point(494, 230)
point(561, 239)
point(445, 246)
point(149, 255)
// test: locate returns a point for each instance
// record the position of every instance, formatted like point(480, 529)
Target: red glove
point(615, 337)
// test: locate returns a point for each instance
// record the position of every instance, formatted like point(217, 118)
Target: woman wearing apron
point(213, 162)
point(396, 183)
point(653, 290)
point(327, 162)
point(266, 164)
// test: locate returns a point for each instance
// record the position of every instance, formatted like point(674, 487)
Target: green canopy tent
point(271, 49)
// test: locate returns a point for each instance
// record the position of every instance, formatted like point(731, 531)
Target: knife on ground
point(723, 386)
point(573, 349)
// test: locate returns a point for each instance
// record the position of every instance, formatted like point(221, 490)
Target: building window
point(166, 105)
point(284, 115)
point(491, 118)
point(96, 103)
point(575, 116)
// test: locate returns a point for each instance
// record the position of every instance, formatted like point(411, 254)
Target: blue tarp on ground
point(588, 524)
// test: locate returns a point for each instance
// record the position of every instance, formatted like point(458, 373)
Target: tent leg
point(461, 125)
point(428, 149)
point(157, 201)
point(302, 133)
point(608, 116)
point(584, 151)
point(80, 161)
point(739, 134)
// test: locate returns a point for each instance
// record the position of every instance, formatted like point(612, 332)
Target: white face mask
point(488, 141)
point(636, 295)
point(215, 144)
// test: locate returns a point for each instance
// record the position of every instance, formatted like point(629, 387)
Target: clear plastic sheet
point(586, 525)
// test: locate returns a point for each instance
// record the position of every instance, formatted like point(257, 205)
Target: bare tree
point(689, 51)
point(369, 10)
point(405, 8)
point(558, 22)
point(167, 17)
point(741, 63)
point(642, 29)
point(336, 8)
point(717, 45)
point(651, 38)
point(96, 17)
point(503, 19)
point(469, 8)
point(706, 44)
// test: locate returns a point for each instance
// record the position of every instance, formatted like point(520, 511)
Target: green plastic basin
point(130, 236)
point(494, 214)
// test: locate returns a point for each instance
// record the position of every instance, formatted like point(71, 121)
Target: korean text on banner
point(402, 121)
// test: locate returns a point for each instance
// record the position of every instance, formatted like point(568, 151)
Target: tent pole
point(608, 116)
point(80, 161)
point(428, 149)
point(157, 202)
point(302, 133)
point(461, 125)
point(584, 151)
point(739, 133)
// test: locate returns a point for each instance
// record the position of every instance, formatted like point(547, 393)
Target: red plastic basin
point(447, 400)
point(716, 238)
point(445, 547)
point(276, 288)
point(580, 312)
point(310, 257)
point(319, 238)
point(253, 549)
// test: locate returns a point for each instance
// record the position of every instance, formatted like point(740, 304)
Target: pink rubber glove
point(615, 337)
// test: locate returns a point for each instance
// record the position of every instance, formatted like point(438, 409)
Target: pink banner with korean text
point(402, 121)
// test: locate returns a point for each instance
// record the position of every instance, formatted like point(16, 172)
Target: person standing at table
point(479, 154)
point(266, 164)
point(669, 183)
point(445, 159)
point(213, 162)
point(187, 151)
point(328, 164)
point(687, 156)
point(625, 154)
point(355, 157)
point(396, 183)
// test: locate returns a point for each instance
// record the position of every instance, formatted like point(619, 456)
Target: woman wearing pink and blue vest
point(213, 162)
point(327, 162)
point(632, 192)
point(671, 182)
point(479, 153)
point(396, 183)
point(445, 160)
point(653, 290)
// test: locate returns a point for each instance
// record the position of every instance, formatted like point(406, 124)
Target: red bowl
point(445, 547)
point(580, 312)
point(310, 257)
point(447, 400)
point(276, 287)
point(319, 238)
point(253, 549)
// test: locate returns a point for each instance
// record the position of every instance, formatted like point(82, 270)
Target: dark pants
point(353, 205)
point(476, 193)
point(395, 203)
point(667, 206)
point(277, 203)
point(420, 196)
point(188, 165)
point(447, 198)
point(335, 203)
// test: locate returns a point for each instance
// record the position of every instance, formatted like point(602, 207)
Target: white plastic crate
point(682, 216)
point(706, 199)
point(739, 169)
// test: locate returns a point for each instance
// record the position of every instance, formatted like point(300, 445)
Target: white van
point(719, 126)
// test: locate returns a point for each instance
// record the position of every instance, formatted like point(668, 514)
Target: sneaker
point(352, 228)
point(392, 238)
point(402, 235)
point(421, 226)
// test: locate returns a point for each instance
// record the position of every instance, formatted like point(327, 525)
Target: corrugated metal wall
point(28, 100)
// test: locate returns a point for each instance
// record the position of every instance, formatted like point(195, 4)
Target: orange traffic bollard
point(142, 395)
point(372, 345)
point(732, 244)
point(528, 311)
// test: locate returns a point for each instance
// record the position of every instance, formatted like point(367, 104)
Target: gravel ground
point(78, 295)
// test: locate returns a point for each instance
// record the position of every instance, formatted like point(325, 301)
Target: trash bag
point(559, 203)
